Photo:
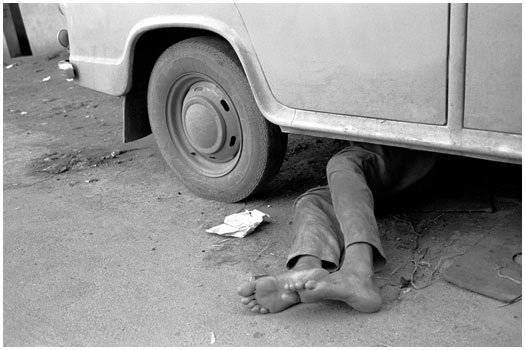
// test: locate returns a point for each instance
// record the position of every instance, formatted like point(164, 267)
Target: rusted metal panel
point(375, 60)
point(493, 68)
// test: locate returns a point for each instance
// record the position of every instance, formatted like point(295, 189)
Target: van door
point(493, 68)
point(384, 61)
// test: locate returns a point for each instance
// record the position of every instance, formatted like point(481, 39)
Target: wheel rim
point(204, 125)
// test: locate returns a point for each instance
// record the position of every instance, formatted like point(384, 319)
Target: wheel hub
point(203, 126)
point(210, 124)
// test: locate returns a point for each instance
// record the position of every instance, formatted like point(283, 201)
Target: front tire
point(207, 124)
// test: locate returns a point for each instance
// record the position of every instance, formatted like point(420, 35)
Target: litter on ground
point(239, 225)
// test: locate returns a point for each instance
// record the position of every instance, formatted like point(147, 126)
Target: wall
point(42, 22)
point(7, 56)
point(11, 38)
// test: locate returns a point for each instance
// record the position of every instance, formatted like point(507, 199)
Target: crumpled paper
point(239, 225)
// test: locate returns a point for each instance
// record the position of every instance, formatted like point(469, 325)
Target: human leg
point(355, 176)
point(336, 224)
point(317, 232)
point(319, 242)
point(362, 173)
point(315, 246)
point(316, 250)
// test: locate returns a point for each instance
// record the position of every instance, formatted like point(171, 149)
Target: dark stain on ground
point(60, 162)
point(304, 167)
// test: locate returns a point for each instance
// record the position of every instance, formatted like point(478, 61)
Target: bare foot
point(277, 293)
point(357, 290)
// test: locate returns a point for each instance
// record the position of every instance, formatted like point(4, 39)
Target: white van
point(221, 85)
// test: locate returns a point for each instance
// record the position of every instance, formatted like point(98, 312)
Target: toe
point(263, 310)
point(246, 300)
point(246, 289)
point(252, 304)
point(310, 284)
point(299, 284)
point(256, 308)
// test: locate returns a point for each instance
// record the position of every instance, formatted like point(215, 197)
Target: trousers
point(328, 219)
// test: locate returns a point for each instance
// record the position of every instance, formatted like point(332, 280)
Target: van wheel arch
point(146, 50)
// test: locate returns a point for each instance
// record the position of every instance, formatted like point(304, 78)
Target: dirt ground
point(103, 246)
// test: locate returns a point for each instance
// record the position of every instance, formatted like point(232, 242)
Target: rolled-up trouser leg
point(317, 231)
point(362, 172)
point(355, 175)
